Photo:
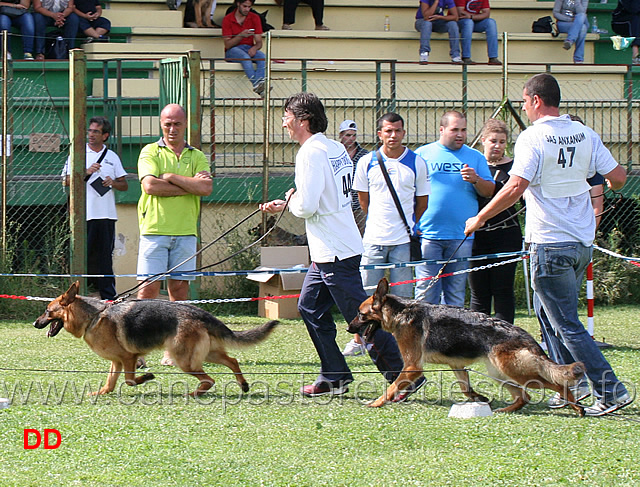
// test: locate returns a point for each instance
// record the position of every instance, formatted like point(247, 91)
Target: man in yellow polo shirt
point(174, 176)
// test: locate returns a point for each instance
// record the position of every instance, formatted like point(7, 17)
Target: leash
point(151, 279)
point(437, 276)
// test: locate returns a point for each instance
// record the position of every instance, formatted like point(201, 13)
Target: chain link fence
point(251, 154)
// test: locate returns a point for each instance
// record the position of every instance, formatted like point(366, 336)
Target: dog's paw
point(377, 403)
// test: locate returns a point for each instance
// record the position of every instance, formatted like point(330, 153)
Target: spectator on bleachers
point(92, 23)
point(58, 13)
point(476, 17)
point(571, 16)
point(242, 36)
point(22, 20)
point(625, 21)
point(289, 13)
point(431, 17)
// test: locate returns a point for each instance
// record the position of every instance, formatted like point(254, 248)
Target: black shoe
point(324, 388)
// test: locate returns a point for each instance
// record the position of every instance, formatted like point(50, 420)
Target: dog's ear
point(70, 296)
point(381, 291)
point(383, 288)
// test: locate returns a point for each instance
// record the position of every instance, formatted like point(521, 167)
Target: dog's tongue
point(54, 329)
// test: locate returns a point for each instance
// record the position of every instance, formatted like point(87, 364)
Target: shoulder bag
point(415, 244)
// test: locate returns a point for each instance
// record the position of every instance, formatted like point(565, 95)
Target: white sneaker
point(424, 57)
point(456, 60)
point(601, 408)
point(353, 348)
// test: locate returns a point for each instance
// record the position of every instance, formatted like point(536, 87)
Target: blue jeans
point(339, 283)
point(451, 288)
point(240, 54)
point(556, 274)
point(425, 27)
point(576, 33)
point(468, 27)
point(383, 254)
point(26, 25)
point(70, 30)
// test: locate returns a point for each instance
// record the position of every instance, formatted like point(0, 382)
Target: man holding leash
point(553, 159)
point(104, 172)
point(174, 176)
point(322, 197)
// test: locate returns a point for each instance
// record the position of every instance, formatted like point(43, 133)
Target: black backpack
point(545, 25)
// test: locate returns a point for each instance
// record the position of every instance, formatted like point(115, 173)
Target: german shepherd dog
point(125, 331)
point(198, 14)
point(278, 236)
point(457, 337)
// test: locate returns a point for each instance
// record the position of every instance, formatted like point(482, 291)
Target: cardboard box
point(280, 284)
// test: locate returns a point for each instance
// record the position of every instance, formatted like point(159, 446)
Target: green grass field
point(152, 435)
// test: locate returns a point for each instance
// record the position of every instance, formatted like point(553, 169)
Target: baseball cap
point(348, 125)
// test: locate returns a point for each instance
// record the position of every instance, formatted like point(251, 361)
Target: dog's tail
point(253, 336)
point(562, 375)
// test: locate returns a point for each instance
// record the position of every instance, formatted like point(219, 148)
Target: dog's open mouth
point(55, 327)
point(369, 330)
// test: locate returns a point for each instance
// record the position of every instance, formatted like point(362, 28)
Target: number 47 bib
point(566, 160)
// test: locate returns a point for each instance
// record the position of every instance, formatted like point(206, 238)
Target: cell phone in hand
point(252, 31)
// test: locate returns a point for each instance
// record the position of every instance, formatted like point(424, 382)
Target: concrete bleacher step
point(131, 87)
point(369, 15)
point(152, 49)
point(400, 46)
point(126, 17)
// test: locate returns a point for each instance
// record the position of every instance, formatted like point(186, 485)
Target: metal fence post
point(193, 99)
point(629, 91)
point(5, 132)
point(77, 137)
point(266, 133)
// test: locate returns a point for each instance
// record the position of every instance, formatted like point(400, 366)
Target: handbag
point(545, 25)
point(57, 48)
point(97, 183)
point(414, 240)
point(12, 11)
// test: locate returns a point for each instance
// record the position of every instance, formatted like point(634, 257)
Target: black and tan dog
point(458, 337)
point(125, 331)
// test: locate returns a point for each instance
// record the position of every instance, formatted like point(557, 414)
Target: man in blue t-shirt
point(430, 17)
point(458, 174)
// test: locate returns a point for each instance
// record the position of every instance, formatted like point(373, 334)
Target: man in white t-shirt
point(386, 235)
point(322, 196)
point(553, 159)
point(104, 173)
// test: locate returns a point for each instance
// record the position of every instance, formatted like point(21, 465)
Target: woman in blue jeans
point(23, 21)
point(571, 16)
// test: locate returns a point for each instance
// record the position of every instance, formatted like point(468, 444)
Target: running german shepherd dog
point(125, 331)
point(458, 337)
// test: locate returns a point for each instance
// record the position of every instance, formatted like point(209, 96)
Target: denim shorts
point(159, 253)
